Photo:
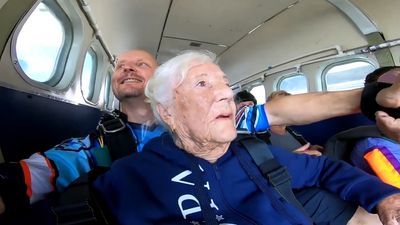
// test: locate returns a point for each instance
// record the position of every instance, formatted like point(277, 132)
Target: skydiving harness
point(276, 174)
point(79, 204)
point(117, 136)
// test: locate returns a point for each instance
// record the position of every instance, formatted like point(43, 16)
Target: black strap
point(117, 136)
point(297, 136)
point(253, 119)
point(80, 204)
point(208, 214)
point(275, 173)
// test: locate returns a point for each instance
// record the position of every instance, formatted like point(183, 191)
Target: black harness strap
point(297, 136)
point(253, 119)
point(80, 204)
point(208, 213)
point(117, 136)
point(275, 173)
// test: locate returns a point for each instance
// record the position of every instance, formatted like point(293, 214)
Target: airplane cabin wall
point(35, 118)
point(307, 27)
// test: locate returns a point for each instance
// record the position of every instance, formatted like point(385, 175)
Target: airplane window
point(294, 84)
point(259, 93)
point(109, 97)
point(38, 46)
point(89, 74)
point(347, 76)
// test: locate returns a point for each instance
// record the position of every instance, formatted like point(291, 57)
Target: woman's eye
point(201, 83)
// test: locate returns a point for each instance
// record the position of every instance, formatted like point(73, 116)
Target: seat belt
point(275, 173)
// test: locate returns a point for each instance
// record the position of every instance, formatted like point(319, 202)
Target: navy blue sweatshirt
point(166, 185)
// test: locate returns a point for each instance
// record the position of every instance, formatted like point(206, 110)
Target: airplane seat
point(319, 132)
point(32, 123)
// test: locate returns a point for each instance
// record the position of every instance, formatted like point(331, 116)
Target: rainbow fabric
point(385, 164)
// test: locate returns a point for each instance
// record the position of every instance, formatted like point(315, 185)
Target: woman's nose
point(224, 92)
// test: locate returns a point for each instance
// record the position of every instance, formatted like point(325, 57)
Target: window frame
point(92, 82)
point(289, 75)
point(61, 61)
point(338, 63)
point(108, 93)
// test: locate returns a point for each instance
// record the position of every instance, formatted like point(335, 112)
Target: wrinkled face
point(204, 107)
point(132, 72)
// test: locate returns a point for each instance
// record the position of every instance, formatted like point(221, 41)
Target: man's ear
point(166, 116)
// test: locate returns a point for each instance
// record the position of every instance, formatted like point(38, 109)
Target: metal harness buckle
point(112, 123)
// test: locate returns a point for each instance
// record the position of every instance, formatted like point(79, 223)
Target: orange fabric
point(383, 168)
point(27, 176)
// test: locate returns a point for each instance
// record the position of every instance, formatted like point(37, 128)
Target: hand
point(309, 150)
point(390, 97)
point(389, 210)
point(2, 206)
point(317, 147)
point(388, 125)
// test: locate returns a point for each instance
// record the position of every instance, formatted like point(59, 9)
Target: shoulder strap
point(117, 136)
point(297, 136)
point(274, 172)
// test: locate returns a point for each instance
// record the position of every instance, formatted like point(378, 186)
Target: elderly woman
point(198, 174)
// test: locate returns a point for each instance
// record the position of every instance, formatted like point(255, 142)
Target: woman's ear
point(166, 116)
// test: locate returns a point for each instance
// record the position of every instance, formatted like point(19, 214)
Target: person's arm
point(343, 179)
point(31, 179)
point(311, 107)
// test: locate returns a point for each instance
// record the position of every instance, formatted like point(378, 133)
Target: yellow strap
point(101, 141)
